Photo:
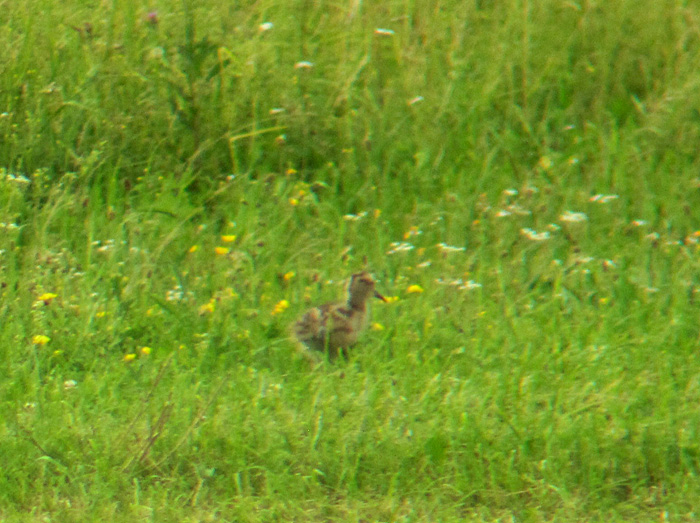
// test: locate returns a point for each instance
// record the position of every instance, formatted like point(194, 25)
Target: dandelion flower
point(221, 251)
point(228, 238)
point(128, 358)
point(47, 297)
point(280, 307)
point(40, 339)
point(293, 202)
point(289, 275)
point(146, 351)
point(207, 308)
point(377, 326)
point(414, 289)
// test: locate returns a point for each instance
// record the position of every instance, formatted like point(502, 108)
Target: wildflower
point(391, 299)
point(603, 198)
point(280, 307)
point(207, 308)
point(639, 223)
point(228, 238)
point(70, 384)
point(414, 289)
point(533, 235)
point(303, 65)
point(377, 326)
point(221, 251)
point(503, 213)
point(354, 217)
point(443, 247)
point(289, 275)
point(383, 32)
point(545, 162)
point(276, 110)
point(377, 213)
point(152, 18)
point(413, 231)
point(399, 247)
point(40, 339)
point(290, 171)
point(47, 297)
point(146, 351)
point(510, 192)
point(573, 217)
point(265, 26)
point(293, 202)
point(193, 249)
point(128, 358)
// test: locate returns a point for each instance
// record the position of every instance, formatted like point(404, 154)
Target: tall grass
point(181, 179)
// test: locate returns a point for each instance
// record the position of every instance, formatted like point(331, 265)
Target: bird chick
point(334, 327)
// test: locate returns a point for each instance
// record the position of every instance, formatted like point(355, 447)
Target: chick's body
point(333, 327)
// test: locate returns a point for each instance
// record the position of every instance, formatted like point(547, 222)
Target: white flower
point(573, 217)
point(450, 248)
point(533, 235)
point(303, 65)
point(265, 26)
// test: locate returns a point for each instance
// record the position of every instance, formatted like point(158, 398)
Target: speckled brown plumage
point(334, 327)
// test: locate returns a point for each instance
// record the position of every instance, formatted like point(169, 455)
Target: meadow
point(180, 180)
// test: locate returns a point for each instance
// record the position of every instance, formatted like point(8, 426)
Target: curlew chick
point(334, 327)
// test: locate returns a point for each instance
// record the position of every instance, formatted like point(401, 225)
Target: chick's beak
point(377, 295)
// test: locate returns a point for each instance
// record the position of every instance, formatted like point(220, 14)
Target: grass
point(180, 181)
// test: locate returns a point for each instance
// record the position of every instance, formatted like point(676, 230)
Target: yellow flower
point(291, 171)
point(414, 289)
point(100, 314)
point(146, 351)
point(40, 339)
point(391, 299)
point(193, 249)
point(228, 238)
point(377, 213)
point(377, 326)
point(289, 275)
point(47, 297)
point(207, 308)
point(221, 250)
point(128, 358)
point(293, 201)
point(280, 307)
